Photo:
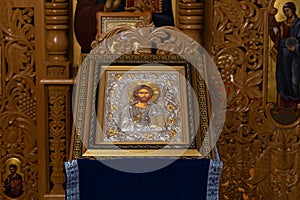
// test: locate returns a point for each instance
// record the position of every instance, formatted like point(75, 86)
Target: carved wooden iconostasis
point(259, 145)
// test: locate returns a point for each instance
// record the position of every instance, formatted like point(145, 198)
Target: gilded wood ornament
point(259, 152)
point(18, 133)
point(57, 135)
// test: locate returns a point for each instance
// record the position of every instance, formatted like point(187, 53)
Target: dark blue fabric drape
point(183, 179)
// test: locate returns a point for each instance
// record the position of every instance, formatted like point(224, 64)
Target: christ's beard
point(144, 99)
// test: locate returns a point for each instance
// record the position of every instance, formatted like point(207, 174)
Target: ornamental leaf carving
point(234, 38)
point(16, 65)
point(5, 13)
point(259, 154)
point(18, 135)
point(57, 136)
point(254, 78)
point(232, 9)
point(248, 82)
point(258, 120)
point(123, 39)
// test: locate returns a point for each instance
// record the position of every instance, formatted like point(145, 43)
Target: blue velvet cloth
point(183, 179)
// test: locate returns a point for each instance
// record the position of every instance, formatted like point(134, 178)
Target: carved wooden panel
point(34, 98)
point(18, 129)
point(58, 128)
point(260, 153)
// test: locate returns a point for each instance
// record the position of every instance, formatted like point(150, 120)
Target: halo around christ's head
point(153, 86)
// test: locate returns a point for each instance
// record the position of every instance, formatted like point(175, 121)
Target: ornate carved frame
point(108, 20)
point(86, 117)
point(132, 43)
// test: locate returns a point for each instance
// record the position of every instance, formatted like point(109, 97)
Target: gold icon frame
point(91, 103)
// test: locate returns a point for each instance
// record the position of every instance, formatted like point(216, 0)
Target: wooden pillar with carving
point(191, 18)
point(56, 83)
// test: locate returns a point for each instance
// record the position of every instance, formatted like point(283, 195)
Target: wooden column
point(56, 84)
point(191, 17)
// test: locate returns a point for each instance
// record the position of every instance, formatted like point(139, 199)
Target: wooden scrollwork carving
point(18, 144)
point(259, 153)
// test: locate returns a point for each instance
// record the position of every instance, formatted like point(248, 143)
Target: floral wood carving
point(18, 134)
point(276, 171)
point(57, 44)
point(259, 154)
point(57, 136)
point(143, 38)
point(55, 71)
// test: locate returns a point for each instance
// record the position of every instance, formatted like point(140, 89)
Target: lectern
point(144, 125)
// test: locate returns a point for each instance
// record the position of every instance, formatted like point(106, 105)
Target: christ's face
point(144, 95)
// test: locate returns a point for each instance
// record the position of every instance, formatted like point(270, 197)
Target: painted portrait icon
point(143, 114)
point(138, 104)
point(13, 184)
point(285, 58)
point(143, 106)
